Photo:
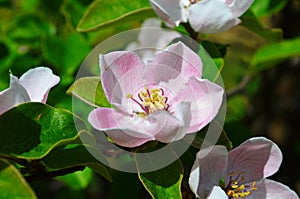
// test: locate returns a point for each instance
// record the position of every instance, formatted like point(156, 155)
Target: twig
point(241, 87)
point(19, 161)
point(53, 174)
point(189, 29)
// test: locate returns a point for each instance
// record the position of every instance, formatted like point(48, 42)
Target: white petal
point(14, 95)
point(217, 193)
point(238, 7)
point(38, 82)
point(211, 164)
point(168, 10)
point(211, 16)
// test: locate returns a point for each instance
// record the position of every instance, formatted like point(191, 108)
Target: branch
point(52, 174)
point(17, 160)
point(240, 88)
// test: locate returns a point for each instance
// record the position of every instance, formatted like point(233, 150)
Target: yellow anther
point(129, 96)
point(237, 190)
point(155, 90)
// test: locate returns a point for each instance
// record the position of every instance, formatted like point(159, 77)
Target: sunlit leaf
point(268, 7)
point(103, 13)
point(271, 54)
point(79, 155)
point(32, 130)
point(12, 183)
point(212, 67)
point(78, 180)
point(164, 183)
point(89, 90)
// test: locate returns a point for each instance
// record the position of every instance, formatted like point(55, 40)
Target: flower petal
point(38, 82)
point(208, 169)
point(116, 68)
point(168, 10)
point(172, 128)
point(211, 16)
point(152, 38)
point(270, 189)
point(239, 6)
point(217, 193)
point(14, 95)
point(176, 60)
point(206, 98)
point(256, 158)
point(124, 130)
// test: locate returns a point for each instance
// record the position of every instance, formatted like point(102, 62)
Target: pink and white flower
point(240, 173)
point(206, 16)
point(33, 86)
point(162, 100)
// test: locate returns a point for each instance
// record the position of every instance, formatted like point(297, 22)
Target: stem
point(53, 174)
point(189, 29)
point(241, 87)
point(19, 161)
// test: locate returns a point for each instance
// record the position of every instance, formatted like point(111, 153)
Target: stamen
point(235, 190)
point(151, 100)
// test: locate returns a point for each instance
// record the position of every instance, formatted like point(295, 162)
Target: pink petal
point(168, 10)
point(121, 73)
point(14, 95)
point(211, 16)
point(172, 127)
point(208, 169)
point(256, 158)
point(269, 189)
point(38, 82)
point(175, 61)
point(206, 98)
point(239, 6)
point(217, 193)
point(124, 130)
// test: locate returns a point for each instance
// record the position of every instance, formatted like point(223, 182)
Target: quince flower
point(162, 100)
point(240, 173)
point(33, 86)
point(206, 16)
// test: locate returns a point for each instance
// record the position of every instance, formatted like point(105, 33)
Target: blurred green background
point(43, 33)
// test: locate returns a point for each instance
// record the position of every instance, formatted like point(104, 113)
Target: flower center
point(235, 189)
point(150, 100)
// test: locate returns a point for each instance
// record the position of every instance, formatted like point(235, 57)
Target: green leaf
point(271, 54)
point(164, 183)
point(250, 22)
point(268, 7)
point(32, 130)
point(212, 67)
point(12, 183)
point(89, 90)
point(103, 13)
point(79, 155)
point(78, 180)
